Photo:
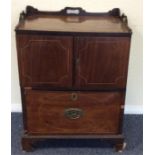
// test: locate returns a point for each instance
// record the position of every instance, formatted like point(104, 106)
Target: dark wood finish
point(60, 22)
point(120, 146)
point(27, 144)
point(23, 109)
point(118, 138)
point(48, 109)
point(102, 62)
point(30, 11)
point(73, 24)
point(28, 141)
point(41, 58)
point(73, 72)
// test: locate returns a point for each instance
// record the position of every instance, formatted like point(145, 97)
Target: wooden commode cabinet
point(73, 69)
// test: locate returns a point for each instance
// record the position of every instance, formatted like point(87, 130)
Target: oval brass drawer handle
point(73, 113)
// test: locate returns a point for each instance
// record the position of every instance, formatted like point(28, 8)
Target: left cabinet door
point(45, 60)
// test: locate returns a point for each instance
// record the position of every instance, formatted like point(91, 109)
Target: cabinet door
point(45, 60)
point(101, 62)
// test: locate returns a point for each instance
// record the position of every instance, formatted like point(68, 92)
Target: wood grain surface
point(101, 112)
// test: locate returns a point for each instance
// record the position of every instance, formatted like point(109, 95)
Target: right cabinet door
point(101, 62)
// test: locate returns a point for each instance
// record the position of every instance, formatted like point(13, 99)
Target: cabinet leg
point(27, 144)
point(120, 147)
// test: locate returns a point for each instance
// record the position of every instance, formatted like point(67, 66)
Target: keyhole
point(74, 97)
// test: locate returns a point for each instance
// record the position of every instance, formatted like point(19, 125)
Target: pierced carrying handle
point(74, 11)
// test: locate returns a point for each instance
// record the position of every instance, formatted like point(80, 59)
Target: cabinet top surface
point(72, 23)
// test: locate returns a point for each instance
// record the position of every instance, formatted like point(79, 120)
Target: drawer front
point(73, 113)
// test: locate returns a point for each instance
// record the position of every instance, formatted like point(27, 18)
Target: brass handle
point(74, 96)
point(73, 113)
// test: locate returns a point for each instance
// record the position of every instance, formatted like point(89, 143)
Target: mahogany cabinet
point(73, 69)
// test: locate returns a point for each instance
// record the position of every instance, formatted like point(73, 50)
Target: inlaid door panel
point(101, 62)
point(45, 60)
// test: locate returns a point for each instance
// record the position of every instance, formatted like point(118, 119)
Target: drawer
point(73, 112)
